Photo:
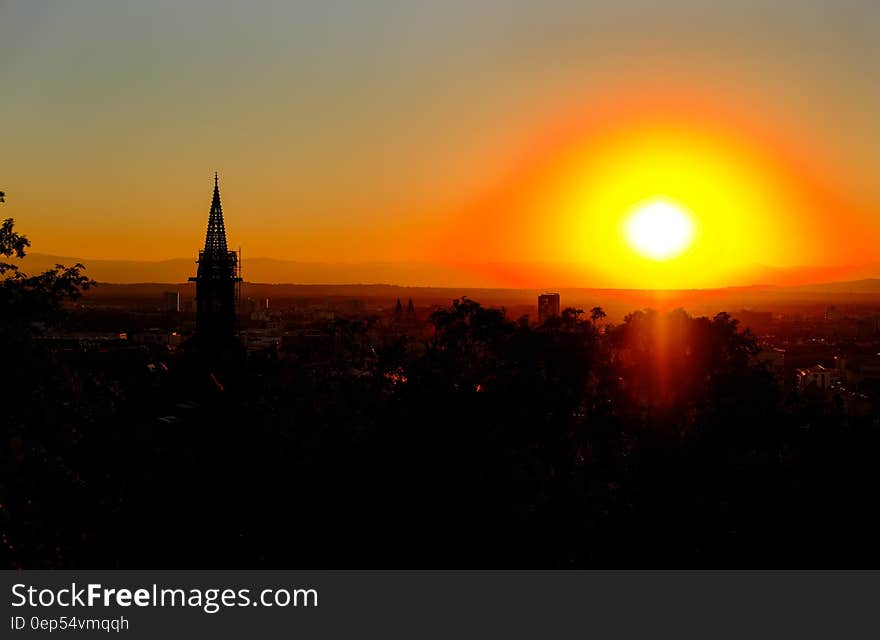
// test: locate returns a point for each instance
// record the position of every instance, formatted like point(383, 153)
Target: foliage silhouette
point(483, 441)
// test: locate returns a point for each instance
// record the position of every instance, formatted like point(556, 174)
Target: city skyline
point(362, 288)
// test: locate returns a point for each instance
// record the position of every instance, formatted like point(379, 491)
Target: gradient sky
point(438, 131)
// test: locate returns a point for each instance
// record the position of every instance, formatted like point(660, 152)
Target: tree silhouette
point(37, 391)
point(478, 440)
point(31, 298)
point(11, 244)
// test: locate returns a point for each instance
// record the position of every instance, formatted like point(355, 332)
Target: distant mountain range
point(268, 270)
point(866, 285)
point(858, 279)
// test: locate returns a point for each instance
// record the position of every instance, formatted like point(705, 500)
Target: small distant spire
point(216, 183)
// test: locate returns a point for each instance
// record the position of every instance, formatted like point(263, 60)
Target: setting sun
point(659, 229)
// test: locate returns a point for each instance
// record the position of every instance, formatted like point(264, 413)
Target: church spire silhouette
point(215, 238)
point(216, 281)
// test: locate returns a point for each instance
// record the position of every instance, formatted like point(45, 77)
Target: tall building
point(548, 306)
point(171, 301)
point(216, 281)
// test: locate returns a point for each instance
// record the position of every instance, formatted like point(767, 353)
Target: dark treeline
point(661, 441)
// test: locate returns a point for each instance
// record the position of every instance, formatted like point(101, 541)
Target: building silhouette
point(217, 282)
point(171, 301)
point(548, 306)
point(405, 315)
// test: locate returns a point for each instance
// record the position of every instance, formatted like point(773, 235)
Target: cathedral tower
point(217, 281)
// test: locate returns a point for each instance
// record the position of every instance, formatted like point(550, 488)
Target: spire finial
point(215, 178)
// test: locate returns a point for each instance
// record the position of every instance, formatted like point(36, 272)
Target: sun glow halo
point(659, 229)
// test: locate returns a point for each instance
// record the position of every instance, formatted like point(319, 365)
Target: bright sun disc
point(659, 230)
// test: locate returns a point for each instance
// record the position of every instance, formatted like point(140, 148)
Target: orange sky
point(506, 140)
point(759, 198)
